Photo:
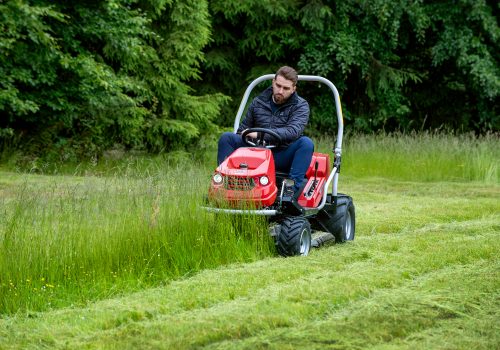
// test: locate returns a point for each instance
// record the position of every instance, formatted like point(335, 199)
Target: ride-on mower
point(248, 183)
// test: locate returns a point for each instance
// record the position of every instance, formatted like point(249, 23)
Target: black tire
point(294, 237)
point(345, 223)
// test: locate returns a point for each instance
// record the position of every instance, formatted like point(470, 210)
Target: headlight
point(217, 178)
point(264, 180)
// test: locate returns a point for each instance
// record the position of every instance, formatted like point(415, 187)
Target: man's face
point(282, 89)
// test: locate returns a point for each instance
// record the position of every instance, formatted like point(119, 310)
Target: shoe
point(289, 191)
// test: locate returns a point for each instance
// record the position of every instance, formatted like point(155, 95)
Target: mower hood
point(247, 176)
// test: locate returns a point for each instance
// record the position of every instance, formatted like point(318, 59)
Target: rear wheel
point(294, 237)
point(346, 226)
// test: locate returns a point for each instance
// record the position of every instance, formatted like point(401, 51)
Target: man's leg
point(295, 159)
point(228, 142)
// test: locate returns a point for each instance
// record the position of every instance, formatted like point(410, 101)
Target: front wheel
point(294, 237)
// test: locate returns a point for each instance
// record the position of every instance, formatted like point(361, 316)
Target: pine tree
point(79, 78)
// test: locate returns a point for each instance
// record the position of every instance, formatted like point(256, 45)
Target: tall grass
point(426, 156)
point(64, 241)
point(114, 226)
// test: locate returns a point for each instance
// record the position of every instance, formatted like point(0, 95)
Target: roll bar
point(336, 97)
point(340, 122)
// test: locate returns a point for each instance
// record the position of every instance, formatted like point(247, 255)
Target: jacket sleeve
point(296, 124)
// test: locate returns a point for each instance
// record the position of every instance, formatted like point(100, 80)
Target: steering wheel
point(260, 142)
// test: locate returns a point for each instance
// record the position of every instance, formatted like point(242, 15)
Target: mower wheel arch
point(294, 237)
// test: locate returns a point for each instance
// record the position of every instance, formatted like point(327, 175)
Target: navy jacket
point(288, 121)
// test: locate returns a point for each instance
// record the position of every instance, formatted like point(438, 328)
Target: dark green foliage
point(250, 38)
point(399, 65)
point(79, 78)
point(76, 79)
point(465, 56)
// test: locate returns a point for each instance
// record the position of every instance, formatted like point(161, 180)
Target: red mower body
point(316, 176)
point(247, 178)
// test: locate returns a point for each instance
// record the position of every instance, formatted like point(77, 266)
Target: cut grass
point(432, 287)
point(79, 257)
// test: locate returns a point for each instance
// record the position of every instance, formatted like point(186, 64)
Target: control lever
point(315, 181)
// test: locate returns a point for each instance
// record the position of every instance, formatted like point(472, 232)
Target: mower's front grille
point(237, 183)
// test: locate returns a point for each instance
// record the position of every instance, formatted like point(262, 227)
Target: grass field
point(128, 260)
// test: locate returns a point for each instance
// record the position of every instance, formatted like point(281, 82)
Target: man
point(280, 109)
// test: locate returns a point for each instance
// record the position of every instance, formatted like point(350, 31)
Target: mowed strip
point(437, 284)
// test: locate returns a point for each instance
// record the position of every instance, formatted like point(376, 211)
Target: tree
point(396, 63)
point(77, 79)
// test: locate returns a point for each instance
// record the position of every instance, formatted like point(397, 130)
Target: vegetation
point(409, 290)
point(156, 75)
point(79, 78)
point(114, 261)
point(69, 240)
point(423, 157)
point(110, 115)
point(109, 229)
point(399, 65)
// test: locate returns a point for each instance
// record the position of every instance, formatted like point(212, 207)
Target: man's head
point(284, 84)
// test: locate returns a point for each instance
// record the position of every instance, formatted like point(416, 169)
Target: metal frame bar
point(265, 212)
point(333, 178)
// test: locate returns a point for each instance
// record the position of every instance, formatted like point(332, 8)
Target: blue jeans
point(294, 159)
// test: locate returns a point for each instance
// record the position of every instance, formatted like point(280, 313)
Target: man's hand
point(252, 135)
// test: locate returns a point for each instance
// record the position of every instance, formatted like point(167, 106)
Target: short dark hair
point(288, 73)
